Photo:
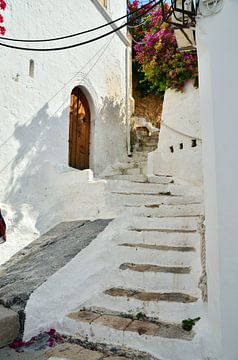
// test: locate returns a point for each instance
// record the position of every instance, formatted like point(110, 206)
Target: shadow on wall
point(38, 141)
point(40, 176)
point(110, 133)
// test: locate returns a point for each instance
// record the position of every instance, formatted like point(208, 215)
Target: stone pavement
point(62, 352)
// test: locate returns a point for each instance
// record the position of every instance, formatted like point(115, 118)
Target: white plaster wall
point(218, 57)
point(34, 112)
point(180, 125)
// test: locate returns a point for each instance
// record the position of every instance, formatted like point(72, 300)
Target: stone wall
point(149, 107)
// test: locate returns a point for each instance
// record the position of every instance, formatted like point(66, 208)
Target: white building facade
point(218, 56)
point(46, 97)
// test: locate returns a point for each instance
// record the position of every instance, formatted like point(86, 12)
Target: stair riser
point(158, 282)
point(186, 223)
point(142, 200)
point(159, 238)
point(169, 210)
point(128, 187)
point(160, 179)
point(161, 348)
point(164, 311)
point(133, 178)
point(156, 257)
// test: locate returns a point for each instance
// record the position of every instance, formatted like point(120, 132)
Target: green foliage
point(188, 324)
point(140, 316)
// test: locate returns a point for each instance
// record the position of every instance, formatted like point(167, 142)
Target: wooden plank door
point(79, 130)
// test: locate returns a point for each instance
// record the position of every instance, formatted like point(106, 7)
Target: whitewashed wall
point(180, 146)
point(34, 111)
point(218, 59)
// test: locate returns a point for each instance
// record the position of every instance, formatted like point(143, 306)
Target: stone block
point(9, 326)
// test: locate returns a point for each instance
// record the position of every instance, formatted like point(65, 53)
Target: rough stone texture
point(143, 327)
point(115, 322)
point(9, 326)
point(150, 327)
point(73, 352)
point(85, 316)
point(33, 265)
point(156, 268)
point(172, 331)
point(151, 296)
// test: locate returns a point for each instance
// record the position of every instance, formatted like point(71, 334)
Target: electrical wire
point(81, 43)
point(76, 34)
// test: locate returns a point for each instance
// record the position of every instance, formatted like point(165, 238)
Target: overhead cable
point(79, 33)
point(81, 43)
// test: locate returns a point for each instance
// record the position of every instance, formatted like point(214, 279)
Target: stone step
point(160, 179)
point(132, 178)
point(151, 296)
point(159, 278)
point(189, 210)
point(141, 255)
point(179, 224)
point(138, 156)
point(167, 311)
point(159, 238)
point(132, 171)
point(131, 200)
point(126, 323)
point(156, 268)
point(127, 187)
point(138, 246)
point(163, 340)
point(9, 326)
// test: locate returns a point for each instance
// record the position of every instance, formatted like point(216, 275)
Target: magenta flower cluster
point(156, 51)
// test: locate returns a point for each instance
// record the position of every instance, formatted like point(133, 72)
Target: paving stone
point(115, 322)
point(73, 352)
point(64, 350)
point(85, 316)
point(9, 326)
point(143, 327)
point(89, 355)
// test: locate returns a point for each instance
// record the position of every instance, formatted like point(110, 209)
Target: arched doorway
point(79, 130)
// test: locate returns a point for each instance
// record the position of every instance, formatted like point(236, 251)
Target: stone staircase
point(152, 261)
point(135, 283)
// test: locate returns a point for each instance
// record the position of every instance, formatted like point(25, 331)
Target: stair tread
point(159, 247)
point(151, 296)
point(127, 323)
point(156, 268)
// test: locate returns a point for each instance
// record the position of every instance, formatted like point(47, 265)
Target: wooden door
point(79, 130)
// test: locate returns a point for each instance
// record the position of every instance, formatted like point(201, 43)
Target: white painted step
point(141, 200)
point(160, 179)
point(156, 257)
point(163, 310)
point(132, 178)
point(180, 224)
point(128, 187)
point(170, 210)
point(160, 347)
point(159, 282)
point(159, 238)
